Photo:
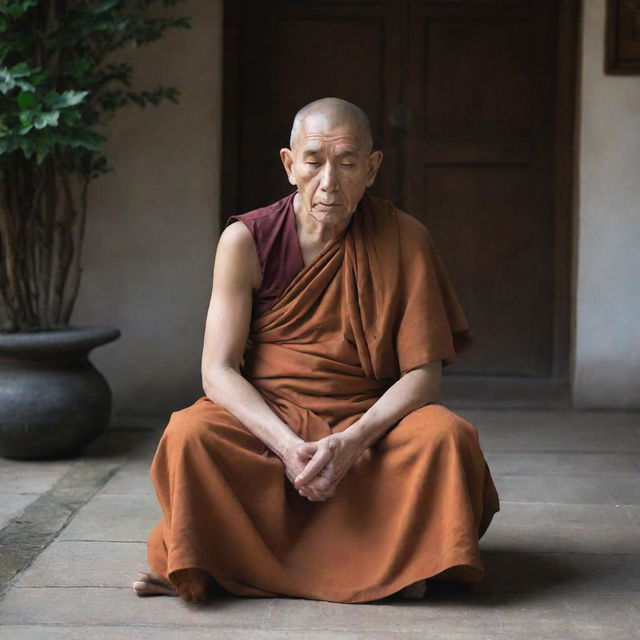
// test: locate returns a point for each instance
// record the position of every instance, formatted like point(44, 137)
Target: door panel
point(482, 122)
point(496, 274)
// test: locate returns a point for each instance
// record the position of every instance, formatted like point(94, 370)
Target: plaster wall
point(607, 313)
point(152, 225)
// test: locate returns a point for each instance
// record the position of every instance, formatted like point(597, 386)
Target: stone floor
point(562, 555)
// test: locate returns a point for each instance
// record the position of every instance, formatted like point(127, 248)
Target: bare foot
point(414, 591)
point(149, 584)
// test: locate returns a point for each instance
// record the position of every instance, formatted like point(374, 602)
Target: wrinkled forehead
point(334, 129)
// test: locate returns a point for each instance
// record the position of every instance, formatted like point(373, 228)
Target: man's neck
point(313, 232)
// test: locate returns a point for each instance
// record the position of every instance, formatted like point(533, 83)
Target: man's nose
point(328, 180)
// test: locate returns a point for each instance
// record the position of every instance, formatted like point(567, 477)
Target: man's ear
point(375, 159)
point(286, 155)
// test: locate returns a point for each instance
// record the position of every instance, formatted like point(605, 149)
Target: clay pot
point(53, 401)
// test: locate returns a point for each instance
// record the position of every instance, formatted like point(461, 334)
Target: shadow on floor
point(521, 575)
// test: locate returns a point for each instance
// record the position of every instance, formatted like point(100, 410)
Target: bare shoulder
point(237, 252)
point(236, 236)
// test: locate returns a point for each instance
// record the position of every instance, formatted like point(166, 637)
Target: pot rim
point(72, 340)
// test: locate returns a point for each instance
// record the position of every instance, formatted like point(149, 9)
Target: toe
point(149, 584)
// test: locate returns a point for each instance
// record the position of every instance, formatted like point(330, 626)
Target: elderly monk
point(319, 463)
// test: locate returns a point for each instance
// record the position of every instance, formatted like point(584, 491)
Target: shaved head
point(331, 162)
point(336, 112)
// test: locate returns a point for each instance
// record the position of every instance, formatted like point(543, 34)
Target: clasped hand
point(316, 468)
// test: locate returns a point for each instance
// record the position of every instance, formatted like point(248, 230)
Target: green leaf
point(88, 140)
point(27, 146)
point(41, 153)
point(39, 78)
point(69, 98)
point(70, 116)
point(21, 69)
point(6, 81)
point(80, 66)
point(26, 116)
point(26, 99)
point(49, 119)
point(16, 10)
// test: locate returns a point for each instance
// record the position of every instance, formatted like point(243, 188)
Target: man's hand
point(295, 460)
point(326, 462)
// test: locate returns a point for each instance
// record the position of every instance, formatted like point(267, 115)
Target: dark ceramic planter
point(53, 401)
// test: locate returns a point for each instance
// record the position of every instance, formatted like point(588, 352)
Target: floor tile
point(133, 478)
point(543, 430)
point(560, 573)
point(29, 476)
point(13, 504)
point(131, 632)
point(104, 606)
point(592, 617)
point(460, 612)
point(569, 489)
point(86, 564)
point(116, 518)
point(567, 464)
point(566, 528)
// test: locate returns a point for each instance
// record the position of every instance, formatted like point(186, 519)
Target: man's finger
point(307, 450)
point(313, 496)
point(314, 466)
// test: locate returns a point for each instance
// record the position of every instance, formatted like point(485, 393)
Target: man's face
point(331, 167)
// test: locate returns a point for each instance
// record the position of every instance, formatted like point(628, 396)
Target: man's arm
point(414, 389)
point(236, 272)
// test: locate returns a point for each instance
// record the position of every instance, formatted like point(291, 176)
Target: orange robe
point(374, 304)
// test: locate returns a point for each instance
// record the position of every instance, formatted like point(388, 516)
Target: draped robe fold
point(374, 304)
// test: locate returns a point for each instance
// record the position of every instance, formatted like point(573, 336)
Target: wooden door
point(471, 103)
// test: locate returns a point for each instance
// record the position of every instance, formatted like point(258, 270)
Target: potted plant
point(57, 90)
